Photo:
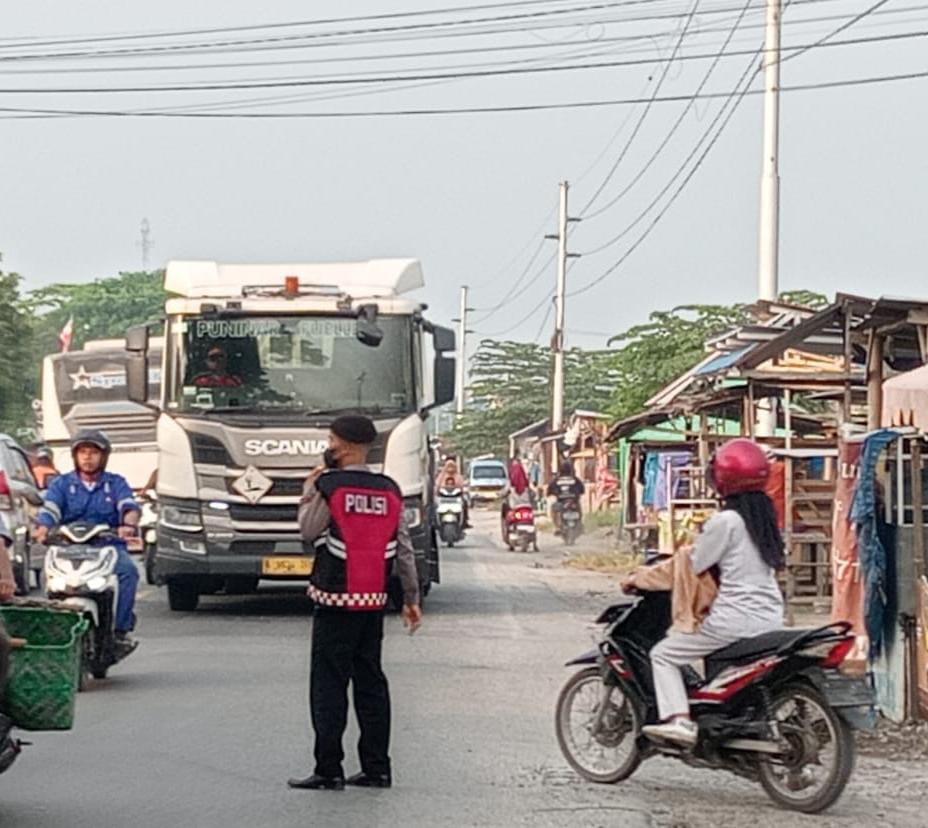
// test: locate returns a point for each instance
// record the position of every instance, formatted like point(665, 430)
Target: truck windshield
point(294, 366)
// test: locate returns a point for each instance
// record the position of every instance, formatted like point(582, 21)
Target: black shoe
point(125, 645)
point(370, 780)
point(318, 783)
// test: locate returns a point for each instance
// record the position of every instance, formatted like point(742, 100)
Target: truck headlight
point(181, 520)
point(412, 511)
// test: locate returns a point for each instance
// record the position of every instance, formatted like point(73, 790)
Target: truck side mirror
point(137, 377)
point(137, 364)
point(444, 379)
point(137, 339)
point(368, 331)
point(443, 339)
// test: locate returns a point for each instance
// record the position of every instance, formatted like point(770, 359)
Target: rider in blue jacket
point(92, 494)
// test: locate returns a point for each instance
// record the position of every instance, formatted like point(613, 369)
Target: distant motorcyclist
point(92, 494)
point(451, 478)
point(744, 543)
point(566, 487)
point(43, 466)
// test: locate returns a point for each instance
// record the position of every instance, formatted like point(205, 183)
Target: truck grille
point(285, 513)
point(209, 450)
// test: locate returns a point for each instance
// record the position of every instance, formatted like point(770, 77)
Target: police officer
point(354, 519)
point(91, 493)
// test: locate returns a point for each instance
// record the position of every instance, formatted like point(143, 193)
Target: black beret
point(354, 428)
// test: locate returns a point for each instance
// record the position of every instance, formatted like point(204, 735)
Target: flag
point(64, 338)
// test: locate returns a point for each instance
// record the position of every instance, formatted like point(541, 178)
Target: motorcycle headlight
point(97, 583)
point(57, 583)
point(181, 520)
point(412, 511)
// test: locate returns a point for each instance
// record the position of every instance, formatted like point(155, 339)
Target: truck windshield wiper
point(353, 409)
point(231, 409)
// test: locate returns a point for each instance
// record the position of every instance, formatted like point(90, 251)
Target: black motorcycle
point(773, 708)
point(571, 522)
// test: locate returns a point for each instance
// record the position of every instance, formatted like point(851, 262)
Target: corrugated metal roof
point(722, 361)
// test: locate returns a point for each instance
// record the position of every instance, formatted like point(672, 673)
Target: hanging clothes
point(651, 467)
point(668, 478)
point(872, 538)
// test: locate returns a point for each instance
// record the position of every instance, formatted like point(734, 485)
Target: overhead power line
point(430, 28)
point(647, 109)
point(439, 76)
point(465, 110)
point(115, 37)
point(671, 132)
point(823, 41)
point(745, 90)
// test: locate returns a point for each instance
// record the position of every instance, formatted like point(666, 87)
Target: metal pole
point(769, 242)
point(461, 381)
point(557, 405)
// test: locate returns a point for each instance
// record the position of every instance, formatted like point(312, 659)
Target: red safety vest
point(353, 558)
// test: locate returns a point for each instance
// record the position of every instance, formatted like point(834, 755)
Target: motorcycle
point(773, 708)
point(571, 524)
point(148, 535)
point(81, 574)
point(450, 513)
point(519, 528)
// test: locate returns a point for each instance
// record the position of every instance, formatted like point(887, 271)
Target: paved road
point(202, 726)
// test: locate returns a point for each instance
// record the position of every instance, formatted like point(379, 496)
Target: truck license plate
point(292, 565)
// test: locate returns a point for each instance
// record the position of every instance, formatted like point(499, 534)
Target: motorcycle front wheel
point(817, 767)
point(597, 728)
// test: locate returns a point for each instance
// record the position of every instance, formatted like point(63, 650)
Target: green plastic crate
point(44, 674)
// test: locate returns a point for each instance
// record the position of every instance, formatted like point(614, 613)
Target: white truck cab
point(258, 361)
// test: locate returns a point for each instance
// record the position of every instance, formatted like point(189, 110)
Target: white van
point(488, 480)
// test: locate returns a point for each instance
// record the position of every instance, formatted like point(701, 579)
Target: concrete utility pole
point(145, 242)
point(769, 236)
point(461, 367)
point(557, 405)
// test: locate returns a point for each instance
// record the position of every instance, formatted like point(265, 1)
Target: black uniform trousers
point(346, 646)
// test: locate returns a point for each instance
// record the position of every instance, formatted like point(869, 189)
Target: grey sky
point(465, 192)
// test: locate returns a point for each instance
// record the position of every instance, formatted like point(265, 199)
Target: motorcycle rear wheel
point(579, 702)
point(806, 720)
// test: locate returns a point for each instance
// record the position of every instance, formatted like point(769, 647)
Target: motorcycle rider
point(92, 494)
point(43, 466)
point(451, 478)
point(565, 487)
point(743, 542)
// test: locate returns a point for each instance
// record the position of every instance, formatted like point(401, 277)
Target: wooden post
point(747, 426)
point(788, 417)
point(848, 356)
point(875, 381)
point(918, 517)
point(788, 539)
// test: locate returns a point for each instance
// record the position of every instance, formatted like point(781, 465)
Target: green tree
point(17, 383)
point(101, 309)
point(511, 387)
point(671, 342)
point(805, 298)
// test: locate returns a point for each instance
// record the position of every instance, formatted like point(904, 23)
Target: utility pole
point(145, 242)
point(461, 367)
point(557, 342)
point(769, 235)
point(768, 276)
point(557, 405)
